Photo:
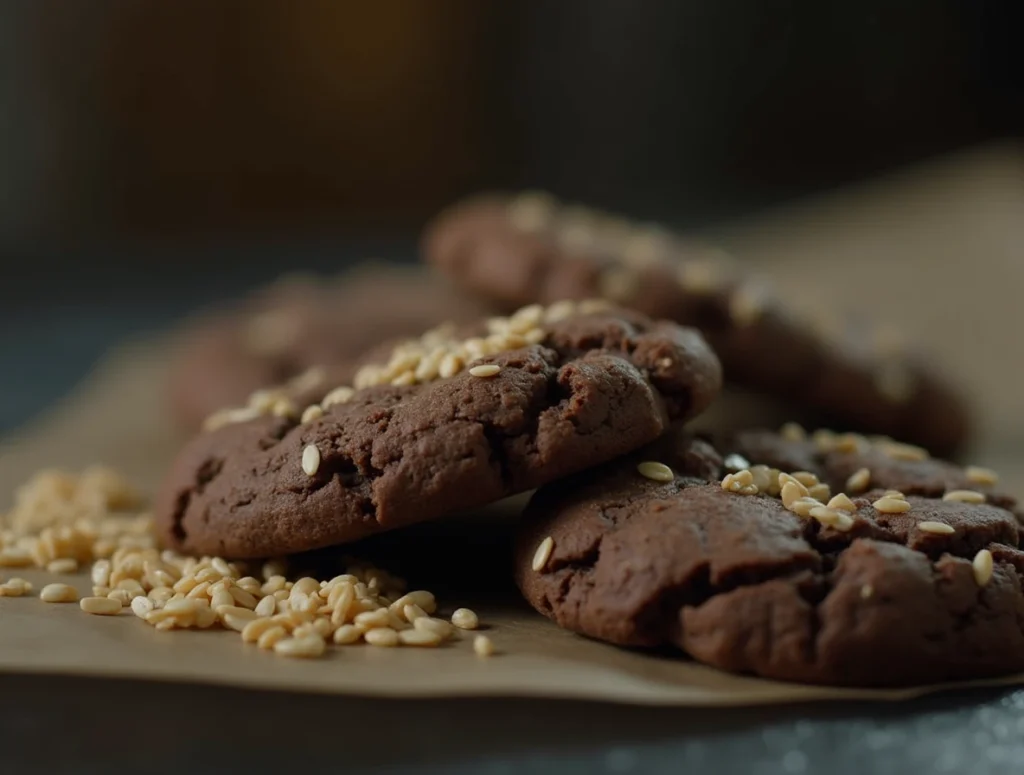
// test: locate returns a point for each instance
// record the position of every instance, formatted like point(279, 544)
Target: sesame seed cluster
point(804, 495)
point(437, 354)
point(63, 522)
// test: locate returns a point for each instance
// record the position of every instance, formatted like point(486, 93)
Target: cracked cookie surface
point(743, 584)
point(851, 374)
point(598, 385)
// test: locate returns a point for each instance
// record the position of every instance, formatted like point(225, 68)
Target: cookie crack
point(205, 473)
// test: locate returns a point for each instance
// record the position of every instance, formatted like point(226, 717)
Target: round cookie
point(530, 248)
point(931, 592)
point(444, 424)
point(298, 324)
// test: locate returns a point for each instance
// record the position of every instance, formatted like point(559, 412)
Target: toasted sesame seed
point(381, 636)
point(806, 478)
point(141, 606)
point(102, 606)
point(859, 480)
point(483, 646)
point(63, 565)
point(791, 492)
point(833, 518)
point(842, 502)
point(890, 505)
point(802, 506)
point(979, 475)
point(964, 496)
point(465, 619)
point(735, 462)
point(937, 528)
point(312, 412)
point(820, 491)
point(58, 593)
point(658, 472)
point(485, 370)
point(983, 567)
point(761, 478)
point(792, 431)
point(311, 459)
point(419, 638)
point(894, 494)
point(543, 553)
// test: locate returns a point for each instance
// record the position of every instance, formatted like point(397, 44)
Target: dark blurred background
point(157, 155)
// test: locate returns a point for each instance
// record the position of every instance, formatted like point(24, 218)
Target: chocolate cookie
point(316, 327)
point(444, 424)
point(532, 249)
point(880, 591)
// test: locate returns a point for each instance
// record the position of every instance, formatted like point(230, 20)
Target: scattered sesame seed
point(58, 593)
point(101, 606)
point(983, 567)
point(485, 370)
point(419, 638)
point(543, 553)
point(802, 507)
point(340, 395)
point(979, 475)
point(859, 480)
point(894, 494)
point(820, 491)
point(465, 619)
point(792, 491)
point(937, 528)
point(483, 646)
point(381, 636)
point(312, 412)
point(311, 459)
point(833, 518)
point(658, 472)
point(964, 496)
point(890, 505)
point(842, 502)
point(897, 450)
point(304, 647)
point(63, 565)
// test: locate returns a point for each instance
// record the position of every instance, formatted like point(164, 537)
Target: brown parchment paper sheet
point(116, 416)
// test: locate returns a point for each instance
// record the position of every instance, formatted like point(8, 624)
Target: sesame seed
point(58, 593)
point(311, 459)
point(820, 491)
point(859, 480)
point(792, 491)
point(735, 462)
point(303, 647)
point(824, 439)
point(271, 637)
point(842, 502)
point(63, 565)
point(890, 505)
point(658, 472)
point(340, 395)
point(899, 451)
point(866, 591)
point(699, 277)
point(964, 496)
point(347, 634)
point(141, 606)
point(465, 619)
point(937, 528)
point(829, 517)
point(802, 506)
point(485, 370)
point(792, 431)
point(979, 475)
point(438, 627)
point(761, 477)
point(101, 606)
point(381, 636)
point(894, 494)
point(983, 567)
point(312, 412)
point(419, 638)
point(543, 553)
point(531, 211)
point(483, 646)
point(851, 442)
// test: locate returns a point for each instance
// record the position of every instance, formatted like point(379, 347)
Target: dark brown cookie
point(930, 592)
point(444, 424)
point(532, 249)
point(852, 463)
point(299, 326)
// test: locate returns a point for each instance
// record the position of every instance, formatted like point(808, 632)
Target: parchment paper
point(117, 417)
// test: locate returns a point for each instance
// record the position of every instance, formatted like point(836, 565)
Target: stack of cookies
point(569, 353)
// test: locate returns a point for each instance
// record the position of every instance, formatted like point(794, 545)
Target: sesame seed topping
point(820, 491)
point(741, 483)
point(964, 496)
point(899, 451)
point(851, 442)
point(833, 518)
point(842, 502)
point(938, 528)
point(543, 553)
point(483, 646)
point(310, 459)
point(866, 591)
point(340, 395)
point(859, 480)
point(312, 412)
point(979, 475)
point(658, 472)
point(485, 370)
point(888, 504)
point(802, 506)
point(736, 462)
point(699, 276)
point(983, 567)
point(792, 491)
point(762, 478)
